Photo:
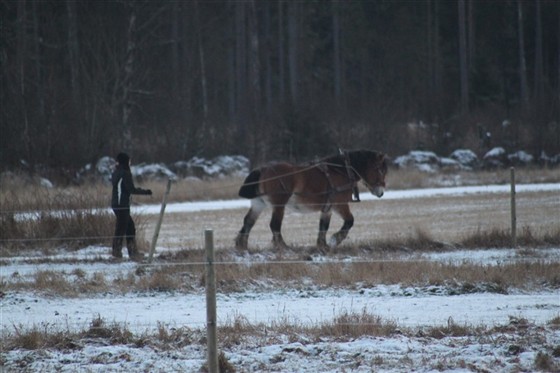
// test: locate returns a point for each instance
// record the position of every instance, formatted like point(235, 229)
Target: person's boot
point(117, 248)
point(133, 252)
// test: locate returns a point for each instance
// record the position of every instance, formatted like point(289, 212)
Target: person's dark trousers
point(124, 227)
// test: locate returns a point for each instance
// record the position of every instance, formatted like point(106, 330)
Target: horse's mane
point(357, 159)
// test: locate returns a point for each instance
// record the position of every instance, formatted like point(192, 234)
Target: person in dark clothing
point(123, 187)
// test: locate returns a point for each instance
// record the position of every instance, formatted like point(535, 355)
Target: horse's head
point(372, 168)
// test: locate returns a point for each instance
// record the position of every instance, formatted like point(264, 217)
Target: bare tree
point(463, 58)
point(293, 49)
point(523, 86)
point(336, 53)
point(281, 53)
point(73, 48)
point(128, 76)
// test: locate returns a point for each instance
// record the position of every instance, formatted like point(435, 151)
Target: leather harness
point(332, 189)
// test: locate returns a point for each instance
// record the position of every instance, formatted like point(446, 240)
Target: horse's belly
point(297, 205)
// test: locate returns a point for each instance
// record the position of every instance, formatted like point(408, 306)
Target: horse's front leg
point(276, 227)
point(346, 215)
point(242, 239)
point(324, 223)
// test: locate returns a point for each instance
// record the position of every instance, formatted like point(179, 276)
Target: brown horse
point(326, 185)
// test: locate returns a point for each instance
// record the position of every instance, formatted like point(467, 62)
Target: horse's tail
point(250, 187)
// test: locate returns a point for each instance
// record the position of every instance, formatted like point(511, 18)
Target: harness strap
point(351, 176)
point(323, 168)
point(280, 179)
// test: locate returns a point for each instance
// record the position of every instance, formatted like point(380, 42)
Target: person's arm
point(129, 185)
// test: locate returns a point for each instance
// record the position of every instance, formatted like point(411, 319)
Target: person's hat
point(123, 158)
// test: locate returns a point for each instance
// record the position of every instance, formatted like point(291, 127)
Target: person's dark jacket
point(123, 187)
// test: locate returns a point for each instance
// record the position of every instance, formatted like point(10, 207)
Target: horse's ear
point(384, 159)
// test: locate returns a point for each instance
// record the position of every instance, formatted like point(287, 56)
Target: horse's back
point(272, 180)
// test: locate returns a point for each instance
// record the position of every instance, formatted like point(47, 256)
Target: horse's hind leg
point(276, 227)
point(346, 215)
point(242, 239)
point(324, 223)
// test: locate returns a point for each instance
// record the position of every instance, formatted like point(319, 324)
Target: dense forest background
point(168, 80)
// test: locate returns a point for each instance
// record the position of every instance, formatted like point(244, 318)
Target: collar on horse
point(351, 176)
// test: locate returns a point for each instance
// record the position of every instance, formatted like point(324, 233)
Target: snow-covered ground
point(518, 323)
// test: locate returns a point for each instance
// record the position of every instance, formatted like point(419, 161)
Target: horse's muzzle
point(377, 191)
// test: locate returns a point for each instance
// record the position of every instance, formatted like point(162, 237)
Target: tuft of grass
point(555, 322)
point(160, 281)
point(545, 363)
point(52, 282)
point(452, 329)
point(355, 325)
point(116, 334)
point(224, 366)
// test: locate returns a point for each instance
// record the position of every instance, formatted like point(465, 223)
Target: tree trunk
point(523, 87)
point(21, 57)
point(203, 81)
point(240, 70)
point(254, 72)
point(463, 58)
point(281, 53)
point(293, 50)
point(538, 90)
point(267, 55)
point(73, 49)
point(538, 99)
point(175, 12)
point(336, 53)
point(127, 85)
point(471, 34)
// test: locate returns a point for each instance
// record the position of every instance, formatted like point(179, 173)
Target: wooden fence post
point(210, 281)
point(513, 213)
point(158, 225)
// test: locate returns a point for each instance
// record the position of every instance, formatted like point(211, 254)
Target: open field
point(421, 284)
point(447, 219)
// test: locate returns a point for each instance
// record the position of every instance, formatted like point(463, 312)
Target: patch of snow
point(104, 166)
point(467, 158)
point(521, 157)
point(45, 183)
point(152, 171)
point(216, 167)
point(495, 152)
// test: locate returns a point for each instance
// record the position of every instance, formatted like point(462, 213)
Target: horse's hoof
point(280, 246)
point(241, 242)
point(333, 241)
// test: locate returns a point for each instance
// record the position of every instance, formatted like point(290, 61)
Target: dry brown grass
point(356, 325)
point(411, 178)
point(63, 228)
point(192, 189)
point(362, 273)
point(344, 327)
